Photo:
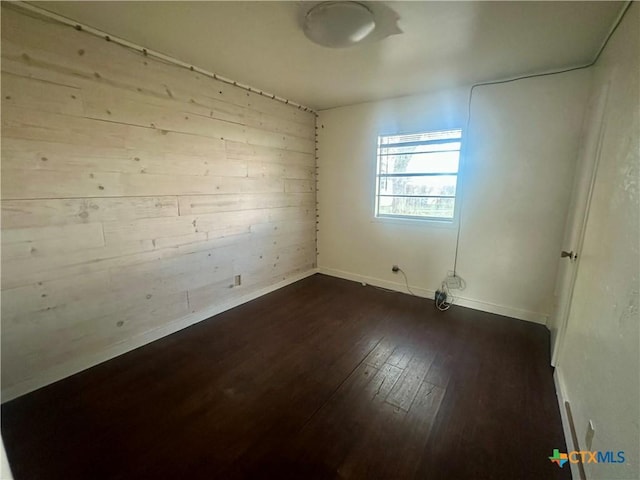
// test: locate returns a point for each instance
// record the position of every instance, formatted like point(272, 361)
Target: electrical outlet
point(395, 268)
point(237, 281)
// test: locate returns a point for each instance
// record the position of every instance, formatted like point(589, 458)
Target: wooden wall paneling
point(135, 319)
point(201, 298)
point(175, 274)
point(27, 271)
point(277, 170)
point(84, 308)
point(133, 191)
point(272, 265)
point(234, 202)
point(34, 184)
point(29, 124)
point(142, 113)
point(29, 346)
point(69, 264)
point(36, 242)
point(272, 242)
point(21, 65)
point(36, 213)
point(102, 106)
point(221, 238)
point(243, 151)
point(179, 164)
point(219, 98)
point(282, 228)
point(29, 154)
point(98, 96)
point(24, 92)
point(20, 235)
point(297, 186)
point(62, 49)
point(47, 295)
point(33, 155)
point(261, 259)
point(155, 140)
point(40, 125)
point(31, 270)
point(34, 63)
point(147, 228)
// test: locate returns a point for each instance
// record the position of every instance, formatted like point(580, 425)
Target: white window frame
point(419, 219)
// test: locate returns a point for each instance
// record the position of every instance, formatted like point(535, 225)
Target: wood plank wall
point(133, 193)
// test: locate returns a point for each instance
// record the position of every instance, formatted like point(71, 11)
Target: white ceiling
point(444, 44)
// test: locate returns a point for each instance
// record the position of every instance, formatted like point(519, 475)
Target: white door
point(569, 257)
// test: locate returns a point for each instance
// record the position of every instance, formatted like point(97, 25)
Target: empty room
point(320, 240)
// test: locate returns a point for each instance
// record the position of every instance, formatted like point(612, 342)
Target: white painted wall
point(599, 361)
point(517, 178)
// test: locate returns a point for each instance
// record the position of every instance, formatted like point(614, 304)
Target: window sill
point(418, 222)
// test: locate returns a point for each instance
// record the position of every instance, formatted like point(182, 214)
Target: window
point(418, 174)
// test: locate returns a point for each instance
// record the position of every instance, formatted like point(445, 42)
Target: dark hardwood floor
point(323, 379)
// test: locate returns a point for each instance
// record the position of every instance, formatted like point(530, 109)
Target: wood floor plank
point(406, 388)
point(401, 356)
point(419, 425)
point(440, 371)
point(384, 381)
point(380, 354)
point(323, 379)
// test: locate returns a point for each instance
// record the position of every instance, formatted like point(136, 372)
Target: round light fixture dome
point(338, 24)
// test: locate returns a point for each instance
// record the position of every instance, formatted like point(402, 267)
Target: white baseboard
point(512, 312)
point(426, 293)
point(561, 394)
point(395, 286)
point(82, 363)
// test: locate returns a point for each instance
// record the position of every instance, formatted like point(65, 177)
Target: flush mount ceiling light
point(338, 24)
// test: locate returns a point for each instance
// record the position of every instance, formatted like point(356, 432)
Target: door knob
point(571, 255)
